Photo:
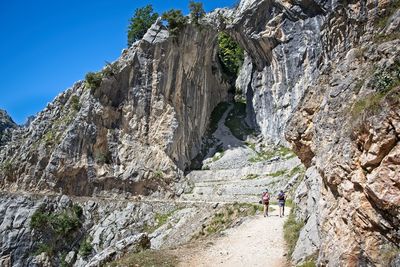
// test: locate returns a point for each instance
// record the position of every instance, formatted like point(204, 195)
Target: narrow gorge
point(163, 142)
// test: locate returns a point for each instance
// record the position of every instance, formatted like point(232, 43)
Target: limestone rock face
point(323, 78)
point(283, 47)
point(346, 128)
point(134, 133)
point(111, 227)
point(6, 125)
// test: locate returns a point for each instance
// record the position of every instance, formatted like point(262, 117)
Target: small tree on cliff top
point(140, 22)
point(176, 21)
point(196, 11)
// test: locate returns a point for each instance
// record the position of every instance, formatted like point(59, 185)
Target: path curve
point(258, 241)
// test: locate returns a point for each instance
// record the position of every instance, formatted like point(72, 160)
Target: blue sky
point(47, 45)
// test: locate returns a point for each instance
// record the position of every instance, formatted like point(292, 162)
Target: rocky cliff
point(320, 76)
point(325, 76)
point(135, 132)
point(6, 125)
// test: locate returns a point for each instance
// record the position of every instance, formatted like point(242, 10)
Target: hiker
point(281, 202)
point(265, 201)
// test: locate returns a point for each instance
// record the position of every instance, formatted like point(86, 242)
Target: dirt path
point(256, 242)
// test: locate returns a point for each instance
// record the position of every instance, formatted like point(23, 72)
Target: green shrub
point(291, 231)
point(93, 80)
point(75, 103)
point(196, 11)
point(39, 219)
point(55, 231)
point(77, 210)
point(64, 222)
point(176, 21)
point(383, 82)
point(230, 54)
point(140, 22)
point(85, 248)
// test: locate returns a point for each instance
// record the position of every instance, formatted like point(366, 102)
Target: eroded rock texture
point(6, 125)
point(324, 75)
point(135, 133)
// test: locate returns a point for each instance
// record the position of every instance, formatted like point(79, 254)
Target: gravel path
point(258, 241)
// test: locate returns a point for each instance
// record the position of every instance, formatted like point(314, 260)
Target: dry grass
point(146, 258)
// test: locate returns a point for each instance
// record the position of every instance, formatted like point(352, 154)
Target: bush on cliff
point(196, 11)
point(56, 231)
point(140, 22)
point(176, 21)
point(230, 54)
point(93, 79)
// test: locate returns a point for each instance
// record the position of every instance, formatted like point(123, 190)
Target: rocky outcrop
point(136, 132)
point(6, 125)
point(37, 230)
point(345, 128)
point(323, 76)
point(283, 47)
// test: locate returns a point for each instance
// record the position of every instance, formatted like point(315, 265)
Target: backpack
point(281, 196)
point(265, 197)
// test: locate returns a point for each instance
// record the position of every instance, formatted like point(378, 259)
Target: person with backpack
point(265, 201)
point(281, 202)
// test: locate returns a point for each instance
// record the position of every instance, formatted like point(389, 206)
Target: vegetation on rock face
point(93, 79)
point(230, 54)
point(176, 21)
point(383, 82)
point(86, 247)
point(56, 230)
point(140, 22)
point(291, 232)
point(268, 154)
point(386, 13)
point(160, 219)
point(75, 103)
point(278, 173)
point(196, 11)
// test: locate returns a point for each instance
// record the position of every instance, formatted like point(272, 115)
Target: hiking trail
point(258, 241)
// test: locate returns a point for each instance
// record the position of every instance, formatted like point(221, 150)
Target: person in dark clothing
point(281, 202)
